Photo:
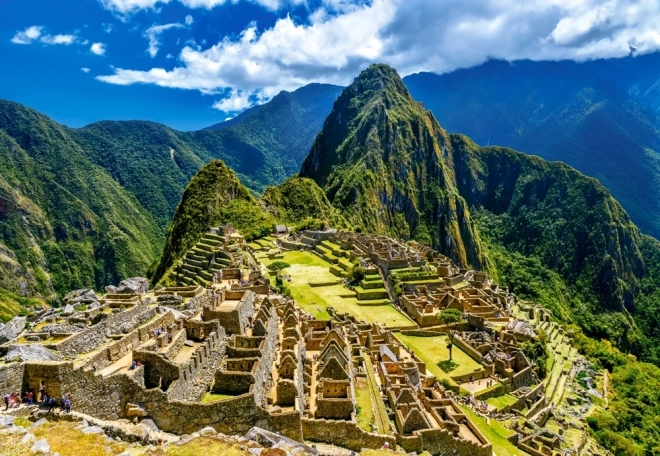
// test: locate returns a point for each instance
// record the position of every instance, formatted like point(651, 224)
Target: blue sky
point(192, 63)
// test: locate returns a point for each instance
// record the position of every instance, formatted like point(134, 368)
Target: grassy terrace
point(364, 405)
point(381, 419)
point(496, 434)
point(502, 401)
point(433, 351)
point(307, 268)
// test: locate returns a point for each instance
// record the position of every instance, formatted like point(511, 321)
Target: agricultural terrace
point(315, 288)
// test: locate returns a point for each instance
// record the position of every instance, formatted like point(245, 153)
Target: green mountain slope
point(64, 222)
point(215, 196)
point(559, 111)
point(566, 221)
point(148, 159)
point(382, 161)
point(298, 200)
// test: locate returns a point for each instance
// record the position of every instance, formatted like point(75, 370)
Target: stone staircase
point(204, 260)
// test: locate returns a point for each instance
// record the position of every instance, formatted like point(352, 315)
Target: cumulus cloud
point(28, 35)
point(34, 33)
point(97, 48)
point(153, 34)
point(84, 70)
point(58, 39)
point(189, 20)
point(341, 37)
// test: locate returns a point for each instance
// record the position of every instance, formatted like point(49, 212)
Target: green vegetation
point(277, 266)
point(301, 202)
point(448, 316)
point(496, 434)
point(213, 397)
point(65, 223)
point(307, 268)
point(214, 196)
point(379, 159)
point(537, 352)
point(12, 305)
point(502, 401)
point(434, 352)
point(561, 112)
point(365, 414)
point(630, 424)
point(355, 275)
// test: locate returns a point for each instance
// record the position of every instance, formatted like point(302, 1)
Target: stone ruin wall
point(234, 321)
point(441, 441)
point(346, 434)
point(90, 339)
point(11, 378)
point(129, 342)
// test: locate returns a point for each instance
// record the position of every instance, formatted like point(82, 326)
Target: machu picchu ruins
point(307, 354)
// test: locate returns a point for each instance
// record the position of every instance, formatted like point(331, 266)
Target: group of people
point(14, 400)
point(135, 364)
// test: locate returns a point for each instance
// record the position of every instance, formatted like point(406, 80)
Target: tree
point(277, 266)
point(446, 317)
point(355, 275)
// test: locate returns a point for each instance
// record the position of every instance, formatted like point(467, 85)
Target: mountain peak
point(382, 159)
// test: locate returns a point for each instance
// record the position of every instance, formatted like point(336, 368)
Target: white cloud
point(31, 34)
point(97, 48)
point(28, 35)
point(124, 7)
point(153, 33)
point(341, 37)
point(238, 100)
point(58, 39)
point(84, 70)
point(107, 28)
point(189, 20)
point(130, 6)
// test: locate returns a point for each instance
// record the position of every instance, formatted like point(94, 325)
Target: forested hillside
point(559, 111)
point(88, 207)
point(65, 223)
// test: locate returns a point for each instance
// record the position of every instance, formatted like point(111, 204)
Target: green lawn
point(308, 268)
point(433, 350)
point(363, 399)
point(382, 420)
point(502, 401)
point(495, 433)
point(213, 397)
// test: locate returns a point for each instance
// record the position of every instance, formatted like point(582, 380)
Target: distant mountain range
point(87, 207)
point(562, 111)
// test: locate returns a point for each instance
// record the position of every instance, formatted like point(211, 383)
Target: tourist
point(134, 365)
point(51, 404)
point(16, 400)
point(42, 391)
point(386, 446)
point(67, 405)
point(30, 397)
point(169, 338)
point(6, 398)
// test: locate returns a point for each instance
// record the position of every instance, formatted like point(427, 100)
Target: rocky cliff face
point(385, 163)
